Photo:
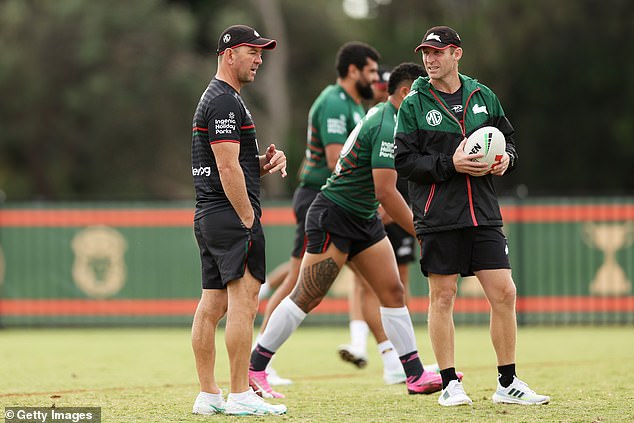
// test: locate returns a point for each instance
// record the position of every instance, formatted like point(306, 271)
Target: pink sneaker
point(257, 381)
point(427, 383)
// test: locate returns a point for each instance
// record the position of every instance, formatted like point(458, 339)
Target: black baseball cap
point(242, 35)
point(440, 37)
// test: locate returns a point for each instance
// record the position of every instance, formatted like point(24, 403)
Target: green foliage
point(97, 96)
point(148, 375)
point(94, 98)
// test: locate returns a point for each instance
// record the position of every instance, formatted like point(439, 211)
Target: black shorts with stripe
point(328, 223)
point(464, 251)
point(302, 199)
point(227, 248)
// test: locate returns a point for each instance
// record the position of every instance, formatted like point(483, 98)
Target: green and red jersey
point(332, 117)
point(369, 146)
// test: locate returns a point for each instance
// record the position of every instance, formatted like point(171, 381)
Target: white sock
point(265, 290)
point(283, 321)
point(399, 329)
point(239, 396)
point(359, 334)
point(391, 362)
point(209, 397)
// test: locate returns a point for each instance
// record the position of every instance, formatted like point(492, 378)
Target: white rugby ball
point(489, 141)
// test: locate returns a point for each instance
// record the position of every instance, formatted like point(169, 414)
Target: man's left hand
point(500, 167)
point(274, 161)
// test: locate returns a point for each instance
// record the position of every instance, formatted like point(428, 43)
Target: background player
point(342, 224)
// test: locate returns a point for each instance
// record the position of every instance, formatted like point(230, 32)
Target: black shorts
point(227, 248)
point(326, 222)
point(302, 199)
point(464, 251)
point(402, 243)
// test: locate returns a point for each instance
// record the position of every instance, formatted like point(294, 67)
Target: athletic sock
point(412, 366)
point(506, 374)
point(239, 396)
point(391, 362)
point(209, 396)
point(265, 290)
point(398, 327)
point(286, 317)
point(448, 375)
point(260, 358)
point(359, 335)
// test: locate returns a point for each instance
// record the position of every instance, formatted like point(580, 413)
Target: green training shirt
point(369, 146)
point(331, 118)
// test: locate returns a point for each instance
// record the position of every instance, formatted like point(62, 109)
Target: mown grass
point(147, 375)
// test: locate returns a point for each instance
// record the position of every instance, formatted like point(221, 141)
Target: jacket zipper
point(462, 128)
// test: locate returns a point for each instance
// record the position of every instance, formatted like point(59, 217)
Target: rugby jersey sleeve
point(224, 119)
point(383, 145)
point(333, 121)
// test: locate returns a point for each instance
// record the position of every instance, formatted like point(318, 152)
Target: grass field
point(147, 375)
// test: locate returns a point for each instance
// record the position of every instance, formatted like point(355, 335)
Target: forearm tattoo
point(313, 284)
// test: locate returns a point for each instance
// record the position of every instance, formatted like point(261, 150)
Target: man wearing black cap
point(456, 212)
point(227, 167)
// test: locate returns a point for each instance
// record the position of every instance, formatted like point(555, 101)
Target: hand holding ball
point(489, 141)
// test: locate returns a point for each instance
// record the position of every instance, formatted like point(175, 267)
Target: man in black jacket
point(456, 212)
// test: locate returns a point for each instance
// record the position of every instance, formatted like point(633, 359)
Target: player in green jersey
point(342, 224)
point(333, 115)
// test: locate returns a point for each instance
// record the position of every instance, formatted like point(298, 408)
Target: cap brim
point(264, 43)
point(433, 44)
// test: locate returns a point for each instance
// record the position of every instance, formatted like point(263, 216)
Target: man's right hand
point(464, 163)
point(248, 221)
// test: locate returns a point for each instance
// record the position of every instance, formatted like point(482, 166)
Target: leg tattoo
point(314, 282)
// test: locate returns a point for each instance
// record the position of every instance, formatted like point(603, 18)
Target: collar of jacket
point(422, 84)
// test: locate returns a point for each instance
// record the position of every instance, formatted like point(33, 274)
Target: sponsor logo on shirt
point(336, 126)
point(225, 126)
point(433, 117)
point(387, 149)
point(201, 171)
point(457, 108)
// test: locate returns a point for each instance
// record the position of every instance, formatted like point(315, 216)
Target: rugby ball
point(489, 141)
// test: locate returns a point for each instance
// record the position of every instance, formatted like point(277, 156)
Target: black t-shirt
point(222, 116)
point(454, 101)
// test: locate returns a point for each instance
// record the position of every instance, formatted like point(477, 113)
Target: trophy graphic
point(610, 279)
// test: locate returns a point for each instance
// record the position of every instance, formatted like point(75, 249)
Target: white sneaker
point(518, 392)
point(352, 355)
point(252, 405)
point(209, 404)
point(393, 378)
point(454, 394)
point(275, 379)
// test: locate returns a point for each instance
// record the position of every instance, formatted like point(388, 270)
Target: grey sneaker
point(253, 405)
point(206, 406)
point(518, 392)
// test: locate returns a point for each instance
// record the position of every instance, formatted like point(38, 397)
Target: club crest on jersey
point(433, 118)
point(479, 109)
